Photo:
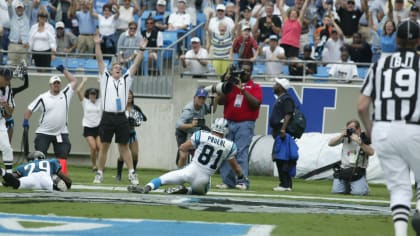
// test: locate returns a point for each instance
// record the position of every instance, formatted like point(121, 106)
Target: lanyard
point(116, 86)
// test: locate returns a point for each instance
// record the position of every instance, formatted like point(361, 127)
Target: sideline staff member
point(392, 87)
point(114, 87)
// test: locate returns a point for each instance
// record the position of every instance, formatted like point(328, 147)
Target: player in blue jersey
point(211, 149)
point(38, 173)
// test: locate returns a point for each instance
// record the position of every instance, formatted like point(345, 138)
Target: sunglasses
point(150, 23)
point(42, 15)
point(133, 28)
point(350, 3)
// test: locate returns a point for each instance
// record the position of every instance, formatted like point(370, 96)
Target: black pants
point(283, 168)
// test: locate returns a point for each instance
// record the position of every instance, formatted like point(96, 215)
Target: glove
point(25, 123)
point(60, 68)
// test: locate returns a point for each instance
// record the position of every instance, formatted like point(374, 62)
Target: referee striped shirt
point(6, 96)
point(393, 83)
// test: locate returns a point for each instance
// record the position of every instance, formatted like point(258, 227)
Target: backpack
point(297, 124)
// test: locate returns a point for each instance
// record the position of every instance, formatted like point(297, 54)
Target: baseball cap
point(19, 4)
point(221, 7)
point(414, 8)
point(161, 2)
point(283, 82)
point(59, 24)
point(307, 47)
point(399, 0)
point(195, 40)
point(408, 30)
point(273, 37)
point(201, 92)
point(54, 79)
point(184, 1)
point(248, 7)
point(246, 27)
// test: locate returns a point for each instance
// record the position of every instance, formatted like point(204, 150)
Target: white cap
point(59, 24)
point(195, 40)
point(283, 82)
point(161, 2)
point(221, 7)
point(245, 27)
point(54, 79)
point(19, 4)
point(184, 1)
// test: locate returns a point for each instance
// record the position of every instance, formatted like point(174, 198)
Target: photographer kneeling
point(350, 177)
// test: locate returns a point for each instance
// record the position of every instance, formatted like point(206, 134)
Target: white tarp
point(314, 153)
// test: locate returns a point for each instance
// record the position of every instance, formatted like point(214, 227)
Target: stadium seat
point(74, 63)
point(91, 66)
point(169, 37)
point(201, 17)
point(322, 72)
point(57, 61)
point(286, 70)
point(362, 71)
point(258, 69)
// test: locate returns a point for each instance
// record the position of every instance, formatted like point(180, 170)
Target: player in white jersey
point(211, 149)
point(391, 88)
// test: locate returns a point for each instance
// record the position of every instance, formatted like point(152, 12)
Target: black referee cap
point(408, 30)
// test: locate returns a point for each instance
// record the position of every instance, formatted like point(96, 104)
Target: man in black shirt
point(268, 25)
point(349, 17)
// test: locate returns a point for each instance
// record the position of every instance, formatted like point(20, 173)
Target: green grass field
point(286, 223)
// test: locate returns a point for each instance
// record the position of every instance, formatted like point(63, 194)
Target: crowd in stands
point(366, 28)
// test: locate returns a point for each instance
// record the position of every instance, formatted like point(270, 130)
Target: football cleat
point(138, 189)
point(98, 178)
point(133, 178)
point(241, 186)
point(180, 189)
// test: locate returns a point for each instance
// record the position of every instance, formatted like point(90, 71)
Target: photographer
point(191, 120)
point(350, 177)
point(241, 109)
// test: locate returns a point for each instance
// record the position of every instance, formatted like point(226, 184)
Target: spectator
point(107, 29)
point(309, 20)
point(179, 20)
point(198, 173)
point(155, 40)
point(267, 25)
point(135, 117)
point(220, 46)
point(279, 120)
point(127, 10)
point(191, 120)
point(4, 28)
point(246, 20)
point(399, 12)
point(241, 109)
point(92, 113)
point(66, 41)
point(6, 110)
point(42, 41)
point(87, 28)
point(62, 8)
point(195, 60)
point(292, 29)
point(349, 17)
point(272, 54)
point(307, 68)
point(114, 93)
point(350, 178)
point(127, 44)
point(160, 15)
point(230, 11)
point(54, 105)
point(246, 47)
point(324, 31)
point(332, 47)
point(387, 36)
point(359, 50)
point(71, 14)
point(213, 24)
point(414, 14)
point(346, 72)
point(19, 34)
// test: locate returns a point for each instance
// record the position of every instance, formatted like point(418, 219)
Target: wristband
point(25, 123)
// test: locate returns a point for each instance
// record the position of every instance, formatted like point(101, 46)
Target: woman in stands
point(42, 40)
point(387, 35)
point(92, 113)
point(108, 28)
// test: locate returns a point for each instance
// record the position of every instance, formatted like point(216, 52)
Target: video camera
point(230, 78)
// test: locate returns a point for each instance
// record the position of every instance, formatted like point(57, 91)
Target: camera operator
point(350, 177)
point(191, 120)
point(241, 109)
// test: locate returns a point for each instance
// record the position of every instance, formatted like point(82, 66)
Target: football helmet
point(220, 125)
point(35, 155)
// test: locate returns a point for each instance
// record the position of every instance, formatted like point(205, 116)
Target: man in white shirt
point(272, 53)
point(54, 105)
point(179, 20)
point(195, 60)
point(213, 26)
point(344, 73)
point(332, 47)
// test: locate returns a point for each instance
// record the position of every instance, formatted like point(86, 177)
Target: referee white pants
point(397, 145)
point(5, 146)
point(37, 180)
point(192, 174)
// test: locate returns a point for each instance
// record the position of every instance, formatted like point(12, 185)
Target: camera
point(349, 132)
point(220, 88)
point(230, 78)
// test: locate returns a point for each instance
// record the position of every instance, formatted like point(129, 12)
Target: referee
point(114, 87)
point(392, 87)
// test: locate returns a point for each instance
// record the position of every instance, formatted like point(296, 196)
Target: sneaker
point(281, 189)
point(133, 178)
point(415, 222)
point(222, 186)
point(118, 177)
point(138, 189)
point(241, 186)
point(180, 189)
point(98, 178)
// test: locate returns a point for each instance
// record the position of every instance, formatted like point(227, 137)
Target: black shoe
point(415, 222)
point(180, 189)
point(118, 178)
point(138, 189)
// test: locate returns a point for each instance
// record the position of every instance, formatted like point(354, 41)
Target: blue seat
point(362, 71)
point(169, 37)
point(322, 72)
point(286, 70)
point(258, 69)
point(74, 63)
point(145, 63)
point(57, 61)
point(91, 66)
point(201, 17)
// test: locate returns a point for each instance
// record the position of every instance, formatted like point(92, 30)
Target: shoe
point(415, 222)
point(133, 178)
point(281, 189)
point(241, 186)
point(138, 189)
point(118, 177)
point(94, 169)
point(98, 178)
point(222, 186)
point(180, 189)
